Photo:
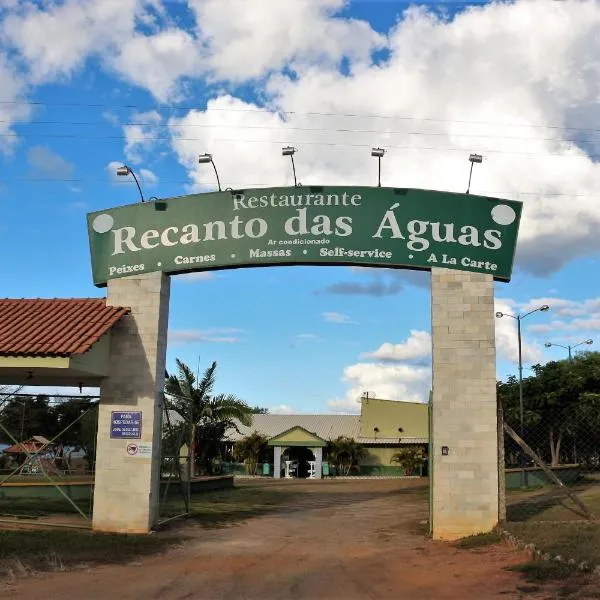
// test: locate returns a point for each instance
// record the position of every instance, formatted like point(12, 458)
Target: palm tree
point(206, 417)
point(345, 453)
point(249, 449)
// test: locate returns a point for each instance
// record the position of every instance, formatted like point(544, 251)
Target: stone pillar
point(318, 452)
point(465, 481)
point(126, 492)
point(277, 462)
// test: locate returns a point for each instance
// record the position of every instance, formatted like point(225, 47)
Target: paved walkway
point(330, 540)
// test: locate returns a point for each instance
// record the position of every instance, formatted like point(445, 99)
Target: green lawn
point(51, 550)
point(554, 523)
point(549, 503)
point(224, 507)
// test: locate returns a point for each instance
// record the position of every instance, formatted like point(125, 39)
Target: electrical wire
point(282, 112)
point(280, 129)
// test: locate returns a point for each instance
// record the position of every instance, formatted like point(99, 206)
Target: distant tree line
point(561, 411)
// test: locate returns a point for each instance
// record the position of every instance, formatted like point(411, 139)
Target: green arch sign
point(313, 225)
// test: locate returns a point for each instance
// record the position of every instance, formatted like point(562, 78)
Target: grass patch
point(552, 504)
point(479, 541)
point(223, 508)
point(540, 571)
point(580, 541)
point(49, 550)
point(40, 507)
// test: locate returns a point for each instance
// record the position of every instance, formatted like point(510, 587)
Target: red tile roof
point(54, 327)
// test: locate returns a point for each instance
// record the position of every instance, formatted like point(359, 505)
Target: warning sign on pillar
point(125, 425)
point(139, 450)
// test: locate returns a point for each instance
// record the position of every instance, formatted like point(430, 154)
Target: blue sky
point(85, 87)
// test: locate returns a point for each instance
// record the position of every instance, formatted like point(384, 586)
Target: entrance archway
point(466, 242)
point(301, 457)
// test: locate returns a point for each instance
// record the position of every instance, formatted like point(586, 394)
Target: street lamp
point(290, 151)
point(473, 158)
point(124, 171)
point(204, 159)
point(570, 347)
point(518, 319)
point(378, 154)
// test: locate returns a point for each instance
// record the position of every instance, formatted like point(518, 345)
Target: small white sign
point(139, 449)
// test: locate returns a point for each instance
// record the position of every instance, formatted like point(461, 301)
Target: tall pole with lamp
point(569, 347)
point(518, 318)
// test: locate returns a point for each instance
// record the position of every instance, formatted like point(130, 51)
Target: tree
point(345, 453)
point(258, 410)
point(250, 449)
point(206, 416)
point(560, 400)
point(410, 458)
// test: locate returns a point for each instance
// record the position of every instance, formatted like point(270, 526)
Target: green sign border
point(438, 207)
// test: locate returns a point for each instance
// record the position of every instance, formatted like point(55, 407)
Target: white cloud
point(196, 276)
point(47, 163)
point(148, 177)
point(391, 382)
point(157, 62)
point(536, 78)
point(416, 347)
point(245, 43)
point(223, 335)
point(140, 136)
point(507, 344)
point(570, 320)
point(336, 317)
point(55, 39)
point(13, 88)
point(282, 409)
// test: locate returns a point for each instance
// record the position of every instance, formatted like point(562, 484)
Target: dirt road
point(338, 540)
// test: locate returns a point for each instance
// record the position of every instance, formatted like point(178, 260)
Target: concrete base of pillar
point(465, 479)
point(126, 491)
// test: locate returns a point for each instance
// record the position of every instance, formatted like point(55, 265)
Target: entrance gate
point(466, 242)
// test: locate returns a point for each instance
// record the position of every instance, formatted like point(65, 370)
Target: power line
point(282, 112)
point(287, 141)
point(284, 129)
point(246, 184)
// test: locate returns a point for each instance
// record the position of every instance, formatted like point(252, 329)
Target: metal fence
point(47, 458)
point(552, 464)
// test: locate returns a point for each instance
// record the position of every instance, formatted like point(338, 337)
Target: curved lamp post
point(290, 151)
point(570, 347)
point(124, 171)
point(204, 159)
point(518, 319)
point(473, 158)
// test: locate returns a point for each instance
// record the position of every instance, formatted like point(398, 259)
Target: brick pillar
point(126, 493)
point(277, 462)
point(318, 452)
point(465, 482)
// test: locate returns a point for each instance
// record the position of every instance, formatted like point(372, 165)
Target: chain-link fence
point(47, 458)
point(552, 464)
point(175, 466)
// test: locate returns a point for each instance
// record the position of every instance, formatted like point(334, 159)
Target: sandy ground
point(341, 540)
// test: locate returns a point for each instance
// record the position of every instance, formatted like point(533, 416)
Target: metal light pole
point(124, 171)
point(290, 151)
point(518, 319)
point(570, 347)
point(207, 158)
point(378, 154)
point(473, 158)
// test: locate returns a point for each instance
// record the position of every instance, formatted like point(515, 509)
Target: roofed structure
point(54, 327)
point(56, 341)
point(324, 426)
point(381, 422)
